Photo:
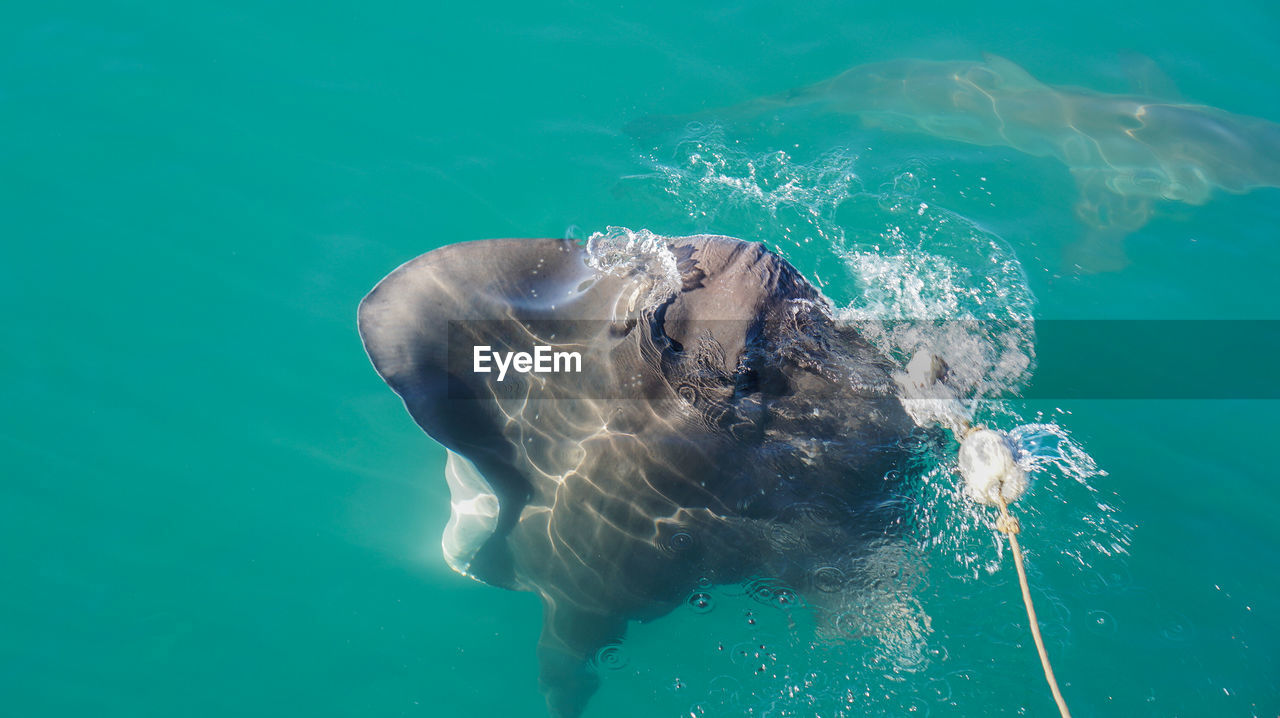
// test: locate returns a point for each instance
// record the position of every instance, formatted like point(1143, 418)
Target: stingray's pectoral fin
point(1108, 215)
point(1109, 201)
point(571, 640)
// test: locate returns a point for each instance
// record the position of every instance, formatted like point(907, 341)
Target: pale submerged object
point(1124, 151)
point(989, 469)
point(473, 513)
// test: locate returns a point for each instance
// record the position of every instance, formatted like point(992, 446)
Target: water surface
point(212, 505)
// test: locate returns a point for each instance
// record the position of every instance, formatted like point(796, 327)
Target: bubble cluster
point(640, 254)
point(766, 194)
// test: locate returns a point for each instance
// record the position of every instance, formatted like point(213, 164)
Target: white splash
point(640, 255)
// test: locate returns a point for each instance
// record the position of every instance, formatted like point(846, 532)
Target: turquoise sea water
point(211, 504)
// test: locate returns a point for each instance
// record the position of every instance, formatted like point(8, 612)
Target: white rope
point(992, 475)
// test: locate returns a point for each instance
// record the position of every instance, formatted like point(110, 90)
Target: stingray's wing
point(592, 475)
point(419, 326)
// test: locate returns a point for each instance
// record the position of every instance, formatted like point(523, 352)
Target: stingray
point(1126, 152)
point(719, 425)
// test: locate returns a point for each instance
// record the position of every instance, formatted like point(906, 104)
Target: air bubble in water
point(701, 602)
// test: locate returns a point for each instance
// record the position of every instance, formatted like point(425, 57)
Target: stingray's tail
point(573, 642)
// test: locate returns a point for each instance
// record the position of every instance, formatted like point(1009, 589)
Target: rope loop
point(1009, 524)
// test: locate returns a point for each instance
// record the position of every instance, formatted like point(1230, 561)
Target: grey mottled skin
point(727, 429)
